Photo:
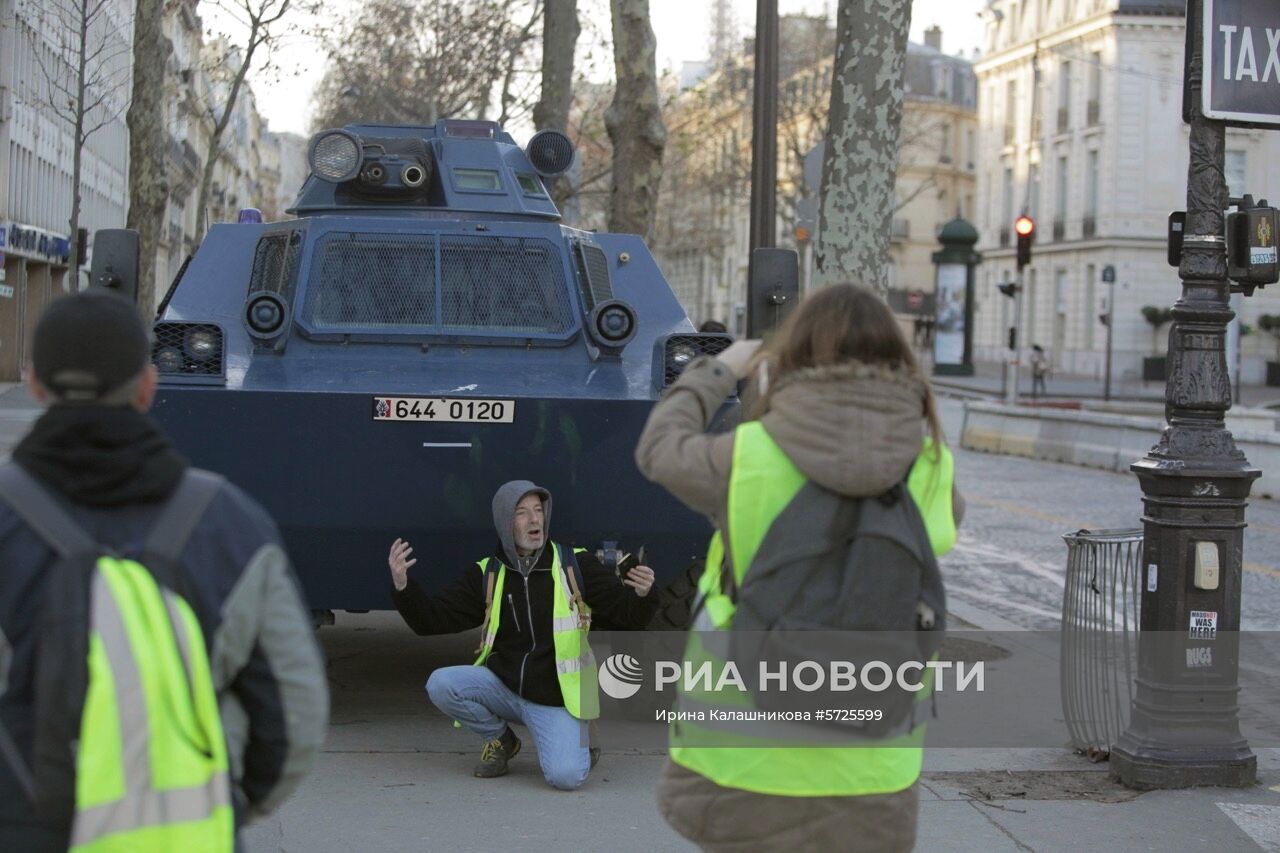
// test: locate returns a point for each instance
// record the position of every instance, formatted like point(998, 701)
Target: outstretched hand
point(400, 563)
point(639, 578)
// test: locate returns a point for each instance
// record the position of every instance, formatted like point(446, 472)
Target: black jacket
point(523, 655)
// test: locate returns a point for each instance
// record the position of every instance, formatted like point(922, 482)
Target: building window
point(1060, 201)
point(1091, 194)
point(1235, 169)
point(944, 155)
point(1064, 96)
point(1033, 191)
point(970, 154)
point(1095, 88)
point(1010, 111)
point(1090, 304)
point(1006, 208)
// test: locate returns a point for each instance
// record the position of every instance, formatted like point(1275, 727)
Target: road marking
point(1070, 524)
point(1260, 823)
point(446, 444)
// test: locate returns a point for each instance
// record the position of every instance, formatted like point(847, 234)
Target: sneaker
point(496, 753)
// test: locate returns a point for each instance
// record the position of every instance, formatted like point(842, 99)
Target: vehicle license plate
point(444, 409)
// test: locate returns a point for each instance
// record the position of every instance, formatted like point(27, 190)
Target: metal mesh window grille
point(366, 282)
point(595, 270)
point(275, 263)
point(175, 349)
point(376, 281)
point(680, 350)
point(503, 283)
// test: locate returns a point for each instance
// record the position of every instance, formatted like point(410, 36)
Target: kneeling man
point(535, 667)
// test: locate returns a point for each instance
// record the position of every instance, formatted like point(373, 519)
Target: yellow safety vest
point(575, 665)
point(763, 482)
point(151, 767)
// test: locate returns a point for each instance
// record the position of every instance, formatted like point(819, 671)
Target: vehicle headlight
point(682, 354)
point(201, 345)
point(334, 155)
point(169, 360)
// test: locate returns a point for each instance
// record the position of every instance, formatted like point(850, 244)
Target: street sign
point(1241, 45)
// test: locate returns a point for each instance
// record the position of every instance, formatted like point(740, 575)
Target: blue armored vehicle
point(426, 329)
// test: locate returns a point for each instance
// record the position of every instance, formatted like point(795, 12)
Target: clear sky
point(682, 27)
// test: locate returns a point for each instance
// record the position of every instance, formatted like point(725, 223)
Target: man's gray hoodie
point(505, 500)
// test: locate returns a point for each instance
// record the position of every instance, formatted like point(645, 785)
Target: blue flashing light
point(249, 216)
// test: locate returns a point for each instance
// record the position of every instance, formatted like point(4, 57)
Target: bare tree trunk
point(73, 227)
point(634, 121)
point(148, 172)
point(861, 159)
point(560, 32)
point(215, 141)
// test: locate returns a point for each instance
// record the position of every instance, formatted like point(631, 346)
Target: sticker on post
point(1152, 577)
point(444, 409)
point(1199, 656)
point(1204, 625)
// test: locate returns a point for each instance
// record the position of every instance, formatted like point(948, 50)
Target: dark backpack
point(841, 579)
point(61, 673)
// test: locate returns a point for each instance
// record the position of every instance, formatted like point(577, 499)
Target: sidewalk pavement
point(988, 380)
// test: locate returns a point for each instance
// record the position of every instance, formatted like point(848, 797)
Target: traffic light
point(1025, 227)
point(1251, 245)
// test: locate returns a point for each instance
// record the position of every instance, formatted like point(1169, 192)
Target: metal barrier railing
point(1100, 619)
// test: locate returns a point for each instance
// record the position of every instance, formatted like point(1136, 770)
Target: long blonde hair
point(842, 323)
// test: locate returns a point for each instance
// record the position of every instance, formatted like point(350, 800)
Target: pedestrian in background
point(1039, 370)
point(160, 681)
point(843, 400)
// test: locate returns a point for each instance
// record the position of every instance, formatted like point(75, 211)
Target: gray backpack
point(841, 579)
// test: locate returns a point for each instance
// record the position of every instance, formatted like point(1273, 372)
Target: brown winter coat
point(855, 429)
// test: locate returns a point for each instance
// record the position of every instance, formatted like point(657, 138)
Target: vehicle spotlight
point(264, 314)
point(334, 155)
point(201, 345)
point(612, 325)
point(681, 355)
point(169, 360)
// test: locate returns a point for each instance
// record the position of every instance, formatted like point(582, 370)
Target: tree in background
point(634, 121)
point(417, 61)
point(263, 24)
point(148, 144)
point(82, 83)
point(861, 155)
point(559, 42)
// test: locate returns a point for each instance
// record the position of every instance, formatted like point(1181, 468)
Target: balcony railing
point(1059, 229)
point(1090, 226)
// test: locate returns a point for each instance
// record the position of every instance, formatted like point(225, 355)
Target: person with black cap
point(140, 599)
point(534, 666)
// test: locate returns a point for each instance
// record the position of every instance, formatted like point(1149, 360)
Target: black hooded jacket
point(523, 656)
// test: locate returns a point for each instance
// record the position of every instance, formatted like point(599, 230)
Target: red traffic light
point(1024, 226)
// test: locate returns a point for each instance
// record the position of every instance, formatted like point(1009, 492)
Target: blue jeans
point(475, 697)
